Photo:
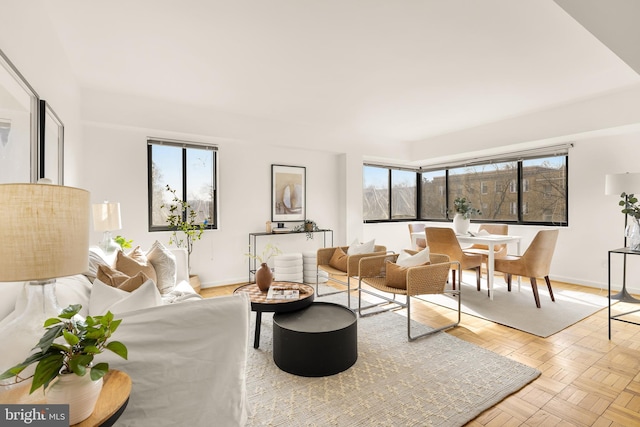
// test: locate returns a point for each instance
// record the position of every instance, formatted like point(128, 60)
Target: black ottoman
point(317, 341)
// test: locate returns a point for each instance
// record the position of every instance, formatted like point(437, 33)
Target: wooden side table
point(112, 402)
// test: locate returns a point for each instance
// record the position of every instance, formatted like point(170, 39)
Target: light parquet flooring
point(587, 379)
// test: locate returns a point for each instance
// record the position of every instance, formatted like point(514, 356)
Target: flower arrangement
point(82, 340)
point(630, 205)
point(463, 207)
point(269, 251)
point(182, 218)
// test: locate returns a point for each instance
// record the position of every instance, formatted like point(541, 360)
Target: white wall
point(116, 170)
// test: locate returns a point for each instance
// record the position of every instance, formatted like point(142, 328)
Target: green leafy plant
point(182, 219)
point(269, 251)
point(463, 206)
point(122, 242)
point(308, 226)
point(630, 205)
point(69, 346)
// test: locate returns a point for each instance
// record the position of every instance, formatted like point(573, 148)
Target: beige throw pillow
point(339, 260)
point(134, 262)
point(396, 276)
point(120, 280)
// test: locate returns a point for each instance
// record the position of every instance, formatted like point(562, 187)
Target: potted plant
point(630, 207)
point(65, 356)
point(182, 219)
point(263, 275)
point(122, 242)
point(463, 211)
point(308, 226)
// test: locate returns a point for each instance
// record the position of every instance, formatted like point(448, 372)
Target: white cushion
point(164, 262)
point(406, 260)
point(107, 298)
point(356, 248)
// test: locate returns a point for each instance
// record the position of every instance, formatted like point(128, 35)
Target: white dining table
point(491, 240)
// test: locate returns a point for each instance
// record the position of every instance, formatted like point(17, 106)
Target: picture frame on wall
point(288, 193)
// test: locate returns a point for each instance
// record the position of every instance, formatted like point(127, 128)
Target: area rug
point(517, 309)
point(438, 380)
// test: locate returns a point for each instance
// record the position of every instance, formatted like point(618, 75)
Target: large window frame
point(157, 194)
point(520, 214)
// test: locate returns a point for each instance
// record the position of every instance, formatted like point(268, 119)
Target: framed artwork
point(288, 193)
point(51, 152)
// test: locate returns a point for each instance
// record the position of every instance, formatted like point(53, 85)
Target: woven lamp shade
point(44, 231)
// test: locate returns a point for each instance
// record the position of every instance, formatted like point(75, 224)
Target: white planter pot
point(460, 224)
point(79, 392)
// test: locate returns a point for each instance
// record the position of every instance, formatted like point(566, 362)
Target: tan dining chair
point(383, 277)
point(499, 251)
point(442, 240)
point(535, 262)
point(415, 227)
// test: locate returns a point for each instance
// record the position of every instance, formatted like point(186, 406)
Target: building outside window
point(187, 168)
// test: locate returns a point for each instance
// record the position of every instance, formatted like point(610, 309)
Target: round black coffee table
point(317, 341)
point(260, 303)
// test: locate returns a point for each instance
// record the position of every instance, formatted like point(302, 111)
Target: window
point(389, 193)
point(375, 195)
point(546, 199)
point(433, 203)
point(484, 187)
point(513, 186)
point(190, 170)
point(525, 185)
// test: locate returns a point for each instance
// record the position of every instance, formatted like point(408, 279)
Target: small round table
point(260, 303)
point(317, 341)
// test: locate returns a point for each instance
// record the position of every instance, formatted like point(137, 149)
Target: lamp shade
point(44, 231)
point(616, 184)
point(106, 216)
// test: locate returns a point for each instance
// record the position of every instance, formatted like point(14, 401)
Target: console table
point(618, 317)
point(327, 236)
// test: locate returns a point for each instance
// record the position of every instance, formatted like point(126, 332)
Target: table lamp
point(45, 235)
point(106, 218)
point(616, 184)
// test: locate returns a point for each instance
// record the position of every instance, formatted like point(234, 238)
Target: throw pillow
point(339, 260)
point(107, 298)
point(118, 279)
point(164, 263)
point(420, 258)
point(135, 262)
point(396, 276)
point(96, 259)
point(356, 248)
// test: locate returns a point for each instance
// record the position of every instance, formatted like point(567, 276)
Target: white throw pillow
point(96, 259)
point(164, 262)
point(406, 260)
point(107, 298)
point(356, 248)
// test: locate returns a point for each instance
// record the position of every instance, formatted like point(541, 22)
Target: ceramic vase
point(264, 277)
point(78, 391)
point(461, 224)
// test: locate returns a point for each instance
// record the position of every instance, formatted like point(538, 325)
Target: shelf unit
point(327, 241)
point(624, 296)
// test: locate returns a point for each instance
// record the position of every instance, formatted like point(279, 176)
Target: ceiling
point(373, 73)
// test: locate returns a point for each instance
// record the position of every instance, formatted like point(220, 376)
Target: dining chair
point(442, 240)
point(534, 262)
point(415, 227)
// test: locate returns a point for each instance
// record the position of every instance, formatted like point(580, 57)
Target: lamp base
point(108, 245)
point(625, 296)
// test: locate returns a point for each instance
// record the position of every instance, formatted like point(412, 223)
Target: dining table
point(490, 240)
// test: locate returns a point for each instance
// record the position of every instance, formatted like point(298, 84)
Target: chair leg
point(507, 276)
point(453, 276)
point(478, 274)
point(534, 286)
point(546, 278)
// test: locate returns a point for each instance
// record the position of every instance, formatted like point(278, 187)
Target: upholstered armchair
point(535, 262)
point(381, 276)
point(341, 267)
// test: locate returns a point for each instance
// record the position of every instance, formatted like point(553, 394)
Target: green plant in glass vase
point(182, 218)
point(630, 207)
point(463, 207)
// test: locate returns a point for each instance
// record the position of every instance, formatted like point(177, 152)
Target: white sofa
point(187, 356)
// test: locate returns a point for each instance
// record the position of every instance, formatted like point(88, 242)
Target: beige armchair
point(442, 240)
point(376, 272)
point(535, 262)
point(341, 274)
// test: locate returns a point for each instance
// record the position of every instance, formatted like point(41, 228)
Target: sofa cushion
point(107, 298)
point(420, 258)
point(164, 264)
point(135, 262)
point(356, 248)
point(118, 279)
point(339, 260)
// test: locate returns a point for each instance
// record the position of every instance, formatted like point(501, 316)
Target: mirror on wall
point(51, 152)
point(18, 126)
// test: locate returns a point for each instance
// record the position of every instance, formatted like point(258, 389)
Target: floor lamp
point(616, 184)
point(45, 235)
